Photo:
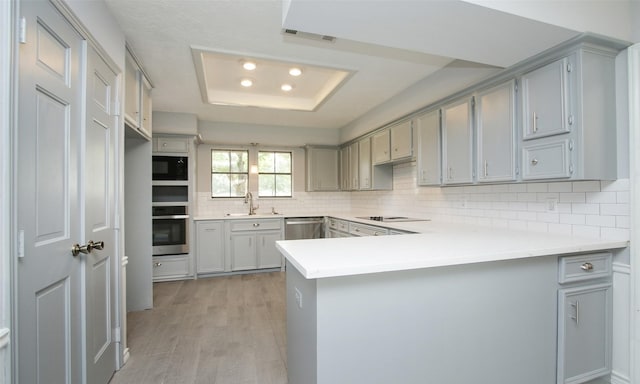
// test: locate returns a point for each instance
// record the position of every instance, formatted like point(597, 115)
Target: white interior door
point(49, 316)
point(99, 189)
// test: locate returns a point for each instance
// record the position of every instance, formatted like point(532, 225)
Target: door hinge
point(117, 105)
point(117, 336)
point(515, 86)
point(21, 243)
point(569, 67)
point(22, 31)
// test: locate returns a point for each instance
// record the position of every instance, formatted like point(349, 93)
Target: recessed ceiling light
point(295, 71)
point(249, 65)
point(246, 83)
point(286, 87)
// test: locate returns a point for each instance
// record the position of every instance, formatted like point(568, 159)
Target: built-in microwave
point(170, 168)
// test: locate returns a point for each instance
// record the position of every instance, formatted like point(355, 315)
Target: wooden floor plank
point(218, 330)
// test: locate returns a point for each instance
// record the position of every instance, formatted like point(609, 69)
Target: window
point(274, 174)
point(229, 173)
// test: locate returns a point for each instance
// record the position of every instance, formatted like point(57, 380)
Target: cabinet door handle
point(256, 224)
point(534, 161)
point(486, 167)
point(576, 316)
point(588, 267)
point(535, 122)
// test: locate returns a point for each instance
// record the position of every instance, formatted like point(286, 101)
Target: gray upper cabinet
point(545, 101)
point(393, 143)
point(137, 105)
point(569, 117)
point(354, 166)
point(350, 167)
point(372, 177)
point(381, 144)
point(429, 154)
point(401, 140)
point(322, 168)
point(457, 142)
point(495, 130)
point(345, 181)
point(171, 144)
point(364, 150)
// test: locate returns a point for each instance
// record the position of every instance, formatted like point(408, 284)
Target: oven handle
point(171, 217)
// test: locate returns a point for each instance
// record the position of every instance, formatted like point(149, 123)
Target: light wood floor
point(222, 330)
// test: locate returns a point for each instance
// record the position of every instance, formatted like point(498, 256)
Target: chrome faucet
point(248, 198)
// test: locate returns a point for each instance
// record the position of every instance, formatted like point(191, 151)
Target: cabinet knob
point(256, 224)
point(534, 161)
point(587, 267)
point(157, 264)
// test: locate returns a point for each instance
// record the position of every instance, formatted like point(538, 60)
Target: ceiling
point(386, 47)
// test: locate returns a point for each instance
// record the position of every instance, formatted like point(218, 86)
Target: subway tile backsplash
point(588, 208)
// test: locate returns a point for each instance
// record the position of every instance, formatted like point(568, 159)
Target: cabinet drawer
point(255, 225)
point(366, 230)
point(167, 267)
point(167, 144)
point(546, 161)
point(584, 267)
point(338, 225)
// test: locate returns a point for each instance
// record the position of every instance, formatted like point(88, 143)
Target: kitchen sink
point(390, 218)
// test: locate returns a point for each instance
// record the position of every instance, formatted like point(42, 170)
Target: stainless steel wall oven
point(170, 230)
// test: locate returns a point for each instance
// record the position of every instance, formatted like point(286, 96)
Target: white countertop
point(436, 245)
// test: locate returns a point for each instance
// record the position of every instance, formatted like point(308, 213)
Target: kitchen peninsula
point(450, 304)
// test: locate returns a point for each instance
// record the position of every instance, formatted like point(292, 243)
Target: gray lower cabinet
point(252, 244)
point(357, 229)
point(171, 267)
point(210, 246)
point(337, 228)
point(584, 318)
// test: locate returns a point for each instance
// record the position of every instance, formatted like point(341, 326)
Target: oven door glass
point(170, 236)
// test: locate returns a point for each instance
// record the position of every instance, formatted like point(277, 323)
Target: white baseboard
point(619, 379)
point(4, 337)
point(125, 356)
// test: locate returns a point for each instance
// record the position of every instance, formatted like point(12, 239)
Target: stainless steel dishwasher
point(296, 228)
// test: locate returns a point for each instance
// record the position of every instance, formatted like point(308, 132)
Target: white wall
point(454, 77)
point(302, 202)
point(585, 208)
point(244, 134)
point(609, 18)
point(175, 123)
point(97, 18)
